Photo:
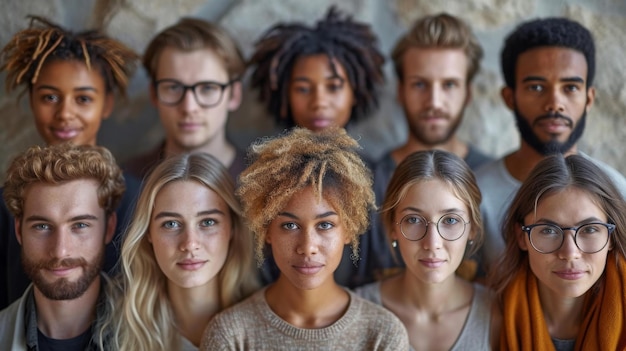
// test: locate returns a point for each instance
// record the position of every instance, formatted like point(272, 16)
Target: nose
point(189, 241)
point(435, 97)
point(307, 243)
point(61, 245)
point(320, 98)
point(188, 103)
point(569, 250)
point(432, 240)
point(65, 110)
point(554, 102)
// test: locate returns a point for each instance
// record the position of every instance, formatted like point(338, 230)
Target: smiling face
point(188, 125)
point(431, 259)
point(69, 102)
point(550, 98)
point(319, 99)
point(190, 238)
point(63, 234)
point(567, 272)
point(433, 92)
point(307, 240)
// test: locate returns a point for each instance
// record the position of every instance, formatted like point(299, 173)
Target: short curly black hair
point(353, 44)
point(553, 31)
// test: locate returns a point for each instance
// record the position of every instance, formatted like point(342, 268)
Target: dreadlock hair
point(327, 161)
point(352, 44)
point(554, 31)
point(29, 49)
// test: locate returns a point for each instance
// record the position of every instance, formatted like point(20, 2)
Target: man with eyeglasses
point(194, 68)
point(548, 66)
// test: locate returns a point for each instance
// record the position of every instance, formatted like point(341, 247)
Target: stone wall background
point(134, 126)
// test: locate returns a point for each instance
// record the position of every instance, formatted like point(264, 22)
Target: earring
point(470, 242)
point(394, 243)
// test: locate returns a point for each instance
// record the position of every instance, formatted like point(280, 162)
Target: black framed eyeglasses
point(207, 93)
point(589, 237)
point(450, 226)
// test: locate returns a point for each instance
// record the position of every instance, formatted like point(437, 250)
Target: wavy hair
point(326, 161)
point(147, 320)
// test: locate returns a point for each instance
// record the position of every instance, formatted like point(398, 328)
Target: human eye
point(289, 226)
point(84, 99)
point(413, 220)
point(418, 84)
point(80, 225)
point(535, 88)
point(335, 85)
point(41, 227)
point(326, 225)
point(450, 219)
point(49, 98)
point(170, 87)
point(449, 84)
point(208, 222)
point(547, 230)
point(171, 225)
point(571, 88)
point(590, 229)
point(301, 88)
point(207, 88)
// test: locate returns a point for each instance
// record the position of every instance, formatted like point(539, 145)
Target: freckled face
point(307, 240)
point(318, 98)
point(190, 238)
point(69, 102)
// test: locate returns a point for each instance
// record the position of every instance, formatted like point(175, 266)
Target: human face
point(318, 98)
point(190, 238)
point(433, 93)
point(431, 259)
point(551, 98)
point(307, 239)
point(189, 126)
point(567, 272)
point(69, 102)
point(63, 235)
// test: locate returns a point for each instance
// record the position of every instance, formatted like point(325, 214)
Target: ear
point(591, 97)
point(109, 103)
point(110, 228)
point(508, 95)
point(18, 230)
point(153, 96)
point(521, 240)
point(235, 96)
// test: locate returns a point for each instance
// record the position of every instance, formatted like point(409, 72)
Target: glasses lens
point(592, 237)
point(546, 238)
point(451, 226)
point(413, 227)
point(170, 92)
point(208, 94)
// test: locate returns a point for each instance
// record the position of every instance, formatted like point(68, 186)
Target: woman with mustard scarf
point(562, 279)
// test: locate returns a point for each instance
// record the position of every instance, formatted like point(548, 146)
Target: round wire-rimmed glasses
point(207, 93)
point(450, 226)
point(589, 238)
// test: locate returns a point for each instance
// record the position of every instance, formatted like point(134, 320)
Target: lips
point(191, 264)
point(431, 262)
point(308, 268)
point(62, 270)
point(570, 274)
point(65, 133)
point(321, 123)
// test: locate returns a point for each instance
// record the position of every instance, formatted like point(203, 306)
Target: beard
point(552, 146)
point(63, 289)
point(430, 138)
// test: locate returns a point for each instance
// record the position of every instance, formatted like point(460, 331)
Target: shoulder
point(384, 330)
point(618, 179)
point(475, 158)
point(139, 166)
point(12, 324)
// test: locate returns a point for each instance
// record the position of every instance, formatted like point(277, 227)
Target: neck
point(434, 299)
point(563, 315)
point(522, 161)
point(307, 308)
point(193, 308)
point(453, 145)
point(218, 147)
point(65, 319)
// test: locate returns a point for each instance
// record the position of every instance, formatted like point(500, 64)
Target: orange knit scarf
point(603, 326)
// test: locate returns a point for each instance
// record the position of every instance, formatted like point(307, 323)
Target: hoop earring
point(394, 243)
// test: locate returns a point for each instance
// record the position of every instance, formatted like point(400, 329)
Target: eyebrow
point(579, 223)
point(307, 80)
point(178, 215)
point(36, 218)
point(542, 79)
point(321, 215)
point(50, 87)
point(444, 211)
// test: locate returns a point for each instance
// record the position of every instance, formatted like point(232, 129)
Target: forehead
point(435, 62)
point(568, 206)
point(62, 200)
point(198, 197)
point(317, 65)
point(551, 62)
point(191, 66)
point(70, 74)
point(431, 195)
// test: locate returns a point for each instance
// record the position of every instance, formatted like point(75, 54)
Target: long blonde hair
point(146, 318)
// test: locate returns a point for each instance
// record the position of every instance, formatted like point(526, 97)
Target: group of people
point(300, 242)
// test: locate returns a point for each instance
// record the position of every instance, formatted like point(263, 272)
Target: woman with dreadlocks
point(318, 77)
point(71, 79)
point(306, 196)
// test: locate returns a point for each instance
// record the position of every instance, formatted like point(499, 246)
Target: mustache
point(56, 263)
point(555, 115)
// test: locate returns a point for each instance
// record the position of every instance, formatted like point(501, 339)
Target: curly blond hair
point(327, 161)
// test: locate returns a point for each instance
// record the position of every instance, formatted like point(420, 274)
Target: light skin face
point(189, 126)
point(307, 240)
point(550, 80)
point(431, 259)
point(567, 272)
point(190, 238)
point(319, 99)
point(69, 102)
point(63, 234)
point(433, 92)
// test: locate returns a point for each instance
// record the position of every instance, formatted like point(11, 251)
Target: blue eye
point(289, 226)
point(171, 225)
point(326, 225)
point(209, 222)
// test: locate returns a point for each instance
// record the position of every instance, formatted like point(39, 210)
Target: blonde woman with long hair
point(185, 257)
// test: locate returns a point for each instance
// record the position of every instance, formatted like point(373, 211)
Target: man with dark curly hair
point(548, 67)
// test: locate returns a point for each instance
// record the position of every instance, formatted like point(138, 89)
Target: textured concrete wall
point(134, 126)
